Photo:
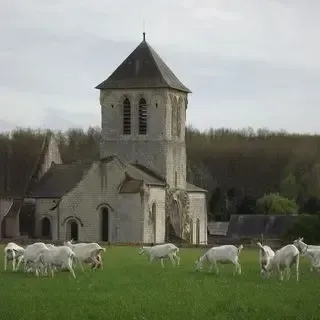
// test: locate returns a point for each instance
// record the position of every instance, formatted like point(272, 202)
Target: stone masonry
point(163, 148)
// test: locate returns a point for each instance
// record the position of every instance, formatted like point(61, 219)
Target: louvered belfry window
point(143, 116)
point(126, 117)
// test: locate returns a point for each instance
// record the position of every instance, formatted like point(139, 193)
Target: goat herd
point(41, 258)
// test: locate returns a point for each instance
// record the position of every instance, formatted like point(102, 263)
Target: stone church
point(137, 192)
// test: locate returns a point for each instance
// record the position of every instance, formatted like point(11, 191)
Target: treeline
point(237, 167)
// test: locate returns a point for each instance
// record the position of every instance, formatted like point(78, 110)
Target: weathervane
point(144, 31)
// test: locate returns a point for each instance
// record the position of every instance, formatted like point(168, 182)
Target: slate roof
point(218, 228)
point(143, 173)
point(192, 188)
point(19, 160)
point(59, 180)
point(131, 186)
point(143, 68)
point(254, 225)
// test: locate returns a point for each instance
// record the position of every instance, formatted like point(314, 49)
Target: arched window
point(143, 116)
point(175, 179)
point(104, 224)
point(173, 119)
point(178, 119)
point(198, 231)
point(154, 220)
point(126, 116)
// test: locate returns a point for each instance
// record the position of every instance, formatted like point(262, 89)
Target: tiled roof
point(143, 68)
point(59, 180)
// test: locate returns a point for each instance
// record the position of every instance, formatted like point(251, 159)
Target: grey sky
point(249, 63)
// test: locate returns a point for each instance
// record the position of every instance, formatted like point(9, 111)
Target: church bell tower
point(143, 115)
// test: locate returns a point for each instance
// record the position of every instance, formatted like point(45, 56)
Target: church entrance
point(105, 224)
point(72, 230)
point(46, 228)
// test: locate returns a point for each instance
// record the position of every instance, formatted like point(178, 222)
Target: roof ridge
point(153, 58)
point(156, 57)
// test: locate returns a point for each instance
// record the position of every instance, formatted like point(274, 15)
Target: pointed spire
point(154, 74)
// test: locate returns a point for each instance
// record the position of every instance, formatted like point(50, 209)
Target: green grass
point(130, 288)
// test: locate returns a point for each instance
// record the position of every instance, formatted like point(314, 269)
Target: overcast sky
point(248, 63)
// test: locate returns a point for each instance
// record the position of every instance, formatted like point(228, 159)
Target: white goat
point(283, 259)
point(85, 252)
point(222, 254)
point(310, 251)
point(266, 255)
point(14, 253)
point(30, 254)
point(314, 256)
point(56, 257)
point(162, 251)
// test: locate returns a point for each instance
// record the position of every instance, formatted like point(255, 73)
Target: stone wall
point(42, 211)
point(198, 210)
point(98, 190)
point(154, 215)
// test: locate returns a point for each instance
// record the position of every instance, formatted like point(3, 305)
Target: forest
point(245, 171)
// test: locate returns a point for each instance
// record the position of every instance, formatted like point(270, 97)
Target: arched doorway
point(46, 228)
point(154, 222)
point(105, 224)
point(198, 231)
point(72, 230)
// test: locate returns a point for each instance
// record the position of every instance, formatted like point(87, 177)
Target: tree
point(274, 203)
point(289, 187)
point(306, 226)
point(313, 181)
point(247, 205)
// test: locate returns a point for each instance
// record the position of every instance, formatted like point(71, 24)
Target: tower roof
point(143, 68)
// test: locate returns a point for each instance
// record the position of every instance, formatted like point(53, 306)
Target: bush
point(307, 226)
point(274, 203)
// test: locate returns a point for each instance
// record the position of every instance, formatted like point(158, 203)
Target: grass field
point(130, 288)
